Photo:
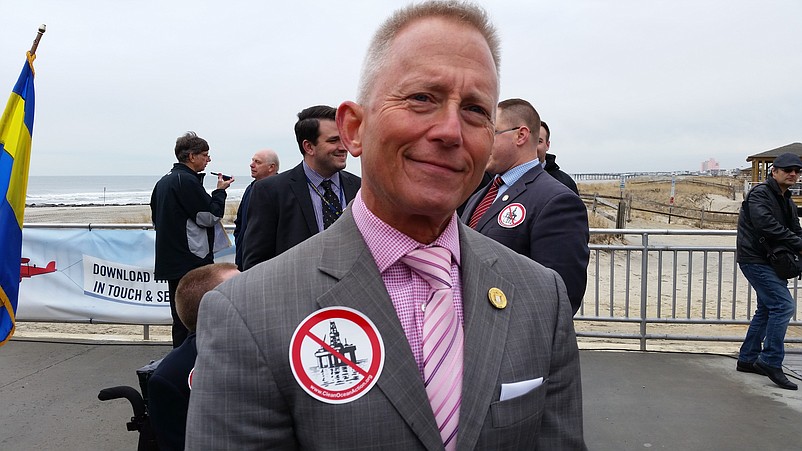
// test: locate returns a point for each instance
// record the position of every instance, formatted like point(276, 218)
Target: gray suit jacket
point(244, 395)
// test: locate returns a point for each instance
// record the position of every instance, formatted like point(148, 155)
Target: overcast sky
point(626, 85)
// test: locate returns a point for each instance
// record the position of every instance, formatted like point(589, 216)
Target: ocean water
point(71, 190)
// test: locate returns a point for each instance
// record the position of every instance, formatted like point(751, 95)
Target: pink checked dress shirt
point(407, 290)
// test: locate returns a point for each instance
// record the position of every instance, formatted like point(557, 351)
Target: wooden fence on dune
point(619, 210)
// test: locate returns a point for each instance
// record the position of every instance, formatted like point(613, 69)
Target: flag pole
point(41, 31)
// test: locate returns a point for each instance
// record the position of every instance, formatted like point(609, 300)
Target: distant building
point(710, 166)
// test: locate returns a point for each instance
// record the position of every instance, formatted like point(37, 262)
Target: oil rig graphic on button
point(326, 359)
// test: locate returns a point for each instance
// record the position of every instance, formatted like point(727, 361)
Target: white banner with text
point(81, 275)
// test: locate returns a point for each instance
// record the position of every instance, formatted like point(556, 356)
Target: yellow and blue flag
point(16, 128)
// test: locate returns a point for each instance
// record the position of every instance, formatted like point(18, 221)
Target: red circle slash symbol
point(336, 354)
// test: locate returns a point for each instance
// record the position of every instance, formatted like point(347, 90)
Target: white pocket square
point(516, 389)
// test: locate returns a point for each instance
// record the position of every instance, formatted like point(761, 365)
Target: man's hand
point(223, 184)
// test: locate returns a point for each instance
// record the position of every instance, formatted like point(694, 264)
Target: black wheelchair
point(139, 403)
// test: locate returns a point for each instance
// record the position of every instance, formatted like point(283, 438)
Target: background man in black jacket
point(549, 161)
point(768, 219)
point(264, 164)
point(184, 216)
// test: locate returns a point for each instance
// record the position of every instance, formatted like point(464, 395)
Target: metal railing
point(688, 281)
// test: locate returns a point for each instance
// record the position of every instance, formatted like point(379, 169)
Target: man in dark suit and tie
point(398, 327)
point(527, 210)
point(264, 163)
point(289, 208)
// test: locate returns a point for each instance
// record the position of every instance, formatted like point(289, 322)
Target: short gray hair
point(458, 11)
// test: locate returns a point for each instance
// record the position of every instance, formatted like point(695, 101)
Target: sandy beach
point(99, 214)
point(140, 214)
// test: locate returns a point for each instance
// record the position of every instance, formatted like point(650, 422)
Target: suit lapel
point(486, 329)
point(300, 188)
point(350, 186)
point(509, 196)
point(473, 202)
point(346, 258)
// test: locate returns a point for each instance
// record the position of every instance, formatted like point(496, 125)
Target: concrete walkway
point(633, 400)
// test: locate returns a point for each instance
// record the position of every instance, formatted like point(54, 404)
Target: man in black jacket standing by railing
point(185, 216)
point(768, 219)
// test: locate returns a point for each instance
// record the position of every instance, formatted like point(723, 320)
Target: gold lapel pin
point(497, 298)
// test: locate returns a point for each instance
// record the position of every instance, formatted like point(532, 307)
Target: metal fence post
point(644, 289)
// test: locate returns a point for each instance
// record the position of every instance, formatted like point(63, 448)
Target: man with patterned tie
point(427, 334)
point(292, 206)
point(527, 210)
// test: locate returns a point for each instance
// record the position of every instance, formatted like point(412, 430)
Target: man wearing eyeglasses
point(185, 216)
point(525, 208)
point(264, 163)
point(769, 219)
point(289, 208)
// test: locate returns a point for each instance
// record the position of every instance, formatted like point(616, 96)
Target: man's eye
point(419, 97)
point(479, 110)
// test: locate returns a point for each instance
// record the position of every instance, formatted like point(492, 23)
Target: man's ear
point(349, 124)
point(524, 135)
point(309, 149)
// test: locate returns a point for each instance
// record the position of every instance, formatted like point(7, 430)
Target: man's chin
point(442, 205)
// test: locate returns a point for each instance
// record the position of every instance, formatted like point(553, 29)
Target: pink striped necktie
point(486, 202)
point(442, 340)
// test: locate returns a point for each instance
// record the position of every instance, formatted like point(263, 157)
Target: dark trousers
point(180, 331)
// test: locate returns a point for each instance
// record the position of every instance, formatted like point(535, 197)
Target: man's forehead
point(326, 123)
point(432, 24)
point(425, 48)
point(440, 30)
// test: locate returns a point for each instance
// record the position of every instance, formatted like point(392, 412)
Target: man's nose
point(448, 128)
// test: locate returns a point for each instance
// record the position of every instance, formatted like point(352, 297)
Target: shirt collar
point(512, 175)
point(387, 244)
point(315, 178)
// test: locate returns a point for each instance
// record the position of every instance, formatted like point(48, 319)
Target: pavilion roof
point(795, 148)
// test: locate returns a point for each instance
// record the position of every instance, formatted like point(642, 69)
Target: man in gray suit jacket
point(320, 347)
